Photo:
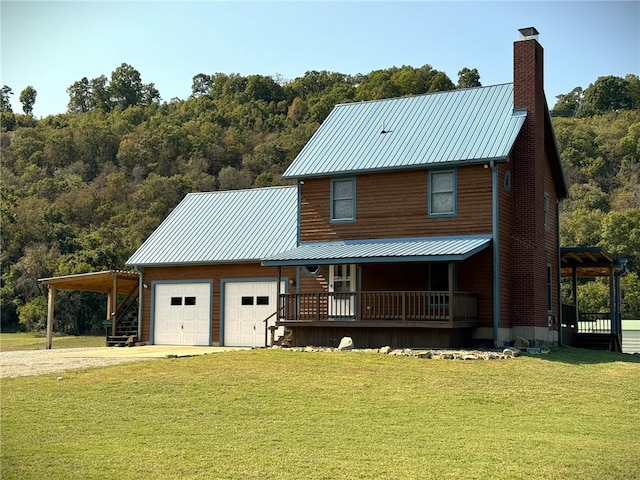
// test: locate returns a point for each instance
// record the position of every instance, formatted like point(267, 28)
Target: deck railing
point(594, 322)
point(379, 306)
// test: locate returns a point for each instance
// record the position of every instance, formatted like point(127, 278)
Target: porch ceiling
point(589, 262)
point(426, 249)
point(95, 281)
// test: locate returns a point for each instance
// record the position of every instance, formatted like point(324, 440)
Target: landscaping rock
point(521, 343)
point(345, 344)
point(385, 350)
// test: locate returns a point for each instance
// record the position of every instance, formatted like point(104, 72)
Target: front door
point(342, 287)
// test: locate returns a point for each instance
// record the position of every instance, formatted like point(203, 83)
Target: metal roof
point(382, 251)
point(463, 126)
point(224, 227)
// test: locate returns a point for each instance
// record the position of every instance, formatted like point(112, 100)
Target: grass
point(29, 341)
point(280, 414)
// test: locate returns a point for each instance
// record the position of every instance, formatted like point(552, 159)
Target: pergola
point(591, 262)
point(111, 282)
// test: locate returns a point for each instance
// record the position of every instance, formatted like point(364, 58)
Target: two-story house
point(423, 221)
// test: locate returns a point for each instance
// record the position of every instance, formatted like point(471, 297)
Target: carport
point(114, 283)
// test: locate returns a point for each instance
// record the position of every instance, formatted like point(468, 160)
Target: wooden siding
point(367, 337)
point(205, 272)
point(394, 204)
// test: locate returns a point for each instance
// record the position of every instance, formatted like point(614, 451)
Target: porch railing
point(383, 305)
point(594, 322)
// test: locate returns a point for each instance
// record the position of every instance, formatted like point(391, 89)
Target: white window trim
point(454, 193)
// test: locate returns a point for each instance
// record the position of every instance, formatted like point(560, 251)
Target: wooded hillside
point(81, 191)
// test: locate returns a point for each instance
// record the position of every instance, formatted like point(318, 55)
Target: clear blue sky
point(50, 45)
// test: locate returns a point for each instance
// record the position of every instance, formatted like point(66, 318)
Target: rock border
point(436, 354)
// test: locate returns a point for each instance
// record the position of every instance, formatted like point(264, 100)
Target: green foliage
point(33, 314)
point(468, 78)
point(28, 99)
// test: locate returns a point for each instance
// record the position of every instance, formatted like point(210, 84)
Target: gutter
point(496, 251)
point(560, 342)
point(140, 300)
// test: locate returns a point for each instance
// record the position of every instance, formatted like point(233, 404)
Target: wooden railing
point(594, 322)
point(373, 306)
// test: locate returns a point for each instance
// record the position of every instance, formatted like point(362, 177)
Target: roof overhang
point(588, 262)
point(393, 250)
point(102, 282)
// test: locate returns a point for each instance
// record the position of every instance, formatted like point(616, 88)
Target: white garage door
point(246, 305)
point(182, 314)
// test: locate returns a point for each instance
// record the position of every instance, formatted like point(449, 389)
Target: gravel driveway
point(38, 362)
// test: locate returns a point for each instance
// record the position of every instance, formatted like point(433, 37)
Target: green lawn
point(272, 414)
point(30, 341)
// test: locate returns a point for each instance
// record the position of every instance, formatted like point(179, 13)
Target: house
point(419, 221)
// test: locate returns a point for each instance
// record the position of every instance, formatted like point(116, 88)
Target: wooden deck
point(415, 309)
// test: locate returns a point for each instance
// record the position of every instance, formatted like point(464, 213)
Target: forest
point(81, 191)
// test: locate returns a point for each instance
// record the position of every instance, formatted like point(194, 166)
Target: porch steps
point(598, 341)
point(127, 327)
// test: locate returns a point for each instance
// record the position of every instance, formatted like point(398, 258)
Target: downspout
point(560, 342)
point(495, 222)
point(140, 300)
point(622, 262)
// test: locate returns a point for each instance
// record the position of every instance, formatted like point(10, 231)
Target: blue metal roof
point(463, 126)
point(381, 251)
point(224, 227)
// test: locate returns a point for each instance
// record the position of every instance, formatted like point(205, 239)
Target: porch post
point(612, 309)
point(451, 299)
point(574, 292)
point(278, 299)
point(50, 305)
point(113, 305)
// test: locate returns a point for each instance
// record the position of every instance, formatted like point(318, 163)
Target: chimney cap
point(529, 32)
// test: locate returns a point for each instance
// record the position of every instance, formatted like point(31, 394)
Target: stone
point(345, 344)
point(511, 352)
point(385, 350)
point(521, 343)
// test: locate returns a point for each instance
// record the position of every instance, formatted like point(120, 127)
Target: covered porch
point(595, 330)
point(121, 288)
point(381, 290)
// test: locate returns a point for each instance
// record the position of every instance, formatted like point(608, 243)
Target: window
point(442, 193)
point(189, 300)
point(247, 301)
point(343, 199)
point(507, 180)
point(262, 300)
point(546, 210)
point(176, 300)
point(549, 288)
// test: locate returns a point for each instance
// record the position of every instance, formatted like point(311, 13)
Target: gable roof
point(459, 126)
point(224, 227)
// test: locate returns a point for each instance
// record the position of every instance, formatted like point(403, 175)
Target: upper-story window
point(343, 199)
point(442, 193)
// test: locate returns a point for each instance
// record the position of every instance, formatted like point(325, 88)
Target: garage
point(246, 305)
point(182, 313)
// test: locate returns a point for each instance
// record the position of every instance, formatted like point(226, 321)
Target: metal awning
point(394, 250)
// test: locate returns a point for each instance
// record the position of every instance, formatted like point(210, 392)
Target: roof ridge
point(425, 94)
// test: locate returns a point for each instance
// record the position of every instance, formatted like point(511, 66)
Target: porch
point(592, 330)
point(423, 309)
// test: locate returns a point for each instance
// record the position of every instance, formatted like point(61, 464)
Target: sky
point(50, 45)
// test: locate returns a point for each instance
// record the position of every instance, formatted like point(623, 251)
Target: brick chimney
point(529, 257)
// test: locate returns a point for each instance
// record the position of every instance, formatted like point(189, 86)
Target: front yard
point(282, 414)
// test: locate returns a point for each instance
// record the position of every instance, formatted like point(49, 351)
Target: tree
point(125, 88)
point(608, 93)
point(28, 99)
point(80, 97)
point(100, 96)
point(468, 78)
point(201, 85)
point(569, 103)
point(5, 101)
